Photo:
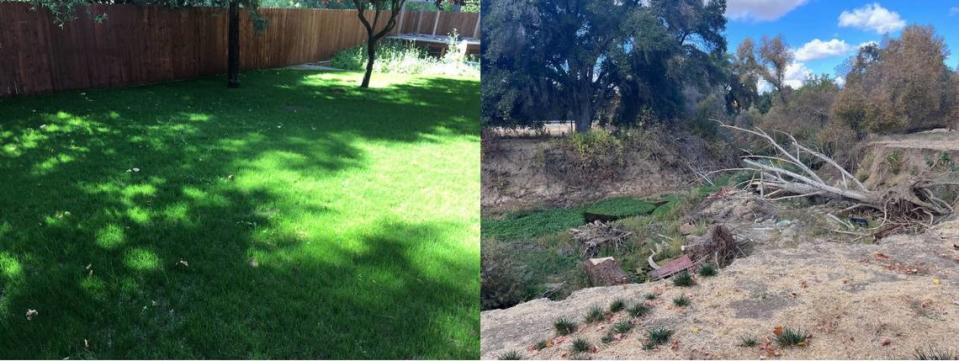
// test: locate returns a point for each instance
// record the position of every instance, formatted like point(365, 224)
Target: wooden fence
point(143, 44)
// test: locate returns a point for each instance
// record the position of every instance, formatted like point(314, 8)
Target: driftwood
point(605, 272)
point(598, 234)
point(786, 175)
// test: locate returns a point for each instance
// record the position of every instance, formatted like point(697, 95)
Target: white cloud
point(872, 17)
point(840, 81)
point(867, 43)
point(818, 49)
point(760, 10)
point(796, 74)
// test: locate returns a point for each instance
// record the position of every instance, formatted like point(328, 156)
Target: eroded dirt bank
point(857, 300)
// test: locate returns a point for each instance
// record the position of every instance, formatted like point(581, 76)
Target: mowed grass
point(295, 217)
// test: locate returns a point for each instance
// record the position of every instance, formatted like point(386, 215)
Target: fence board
point(138, 45)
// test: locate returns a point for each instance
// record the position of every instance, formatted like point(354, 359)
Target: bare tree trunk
point(584, 116)
point(370, 57)
point(233, 46)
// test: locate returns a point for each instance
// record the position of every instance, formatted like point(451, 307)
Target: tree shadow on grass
point(165, 222)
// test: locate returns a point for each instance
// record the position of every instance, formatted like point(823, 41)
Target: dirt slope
point(857, 300)
point(521, 173)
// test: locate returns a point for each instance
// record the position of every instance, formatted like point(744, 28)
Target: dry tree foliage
point(786, 175)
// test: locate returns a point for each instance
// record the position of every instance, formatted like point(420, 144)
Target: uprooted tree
point(372, 34)
point(788, 173)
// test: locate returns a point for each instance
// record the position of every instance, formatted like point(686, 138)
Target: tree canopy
point(573, 59)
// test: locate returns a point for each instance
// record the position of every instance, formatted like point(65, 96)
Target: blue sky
point(823, 33)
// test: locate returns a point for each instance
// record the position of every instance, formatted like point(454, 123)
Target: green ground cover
point(295, 217)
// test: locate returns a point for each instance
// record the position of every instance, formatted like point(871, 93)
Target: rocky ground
point(857, 300)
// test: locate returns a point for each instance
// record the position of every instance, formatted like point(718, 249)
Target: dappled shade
point(296, 217)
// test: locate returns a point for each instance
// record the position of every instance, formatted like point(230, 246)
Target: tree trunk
point(584, 119)
point(233, 46)
point(371, 56)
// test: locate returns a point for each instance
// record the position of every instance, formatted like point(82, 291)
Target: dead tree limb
point(785, 171)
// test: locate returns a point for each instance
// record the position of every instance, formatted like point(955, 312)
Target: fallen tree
point(788, 173)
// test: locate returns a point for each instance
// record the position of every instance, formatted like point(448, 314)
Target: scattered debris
point(672, 267)
point(598, 234)
point(31, 313)
point(718, 244)
point(605, 272)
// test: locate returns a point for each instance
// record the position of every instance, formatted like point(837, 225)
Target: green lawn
point(296, 217)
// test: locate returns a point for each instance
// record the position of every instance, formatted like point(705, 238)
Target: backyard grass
point(295, 217)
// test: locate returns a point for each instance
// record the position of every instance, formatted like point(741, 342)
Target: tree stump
point(605, 272)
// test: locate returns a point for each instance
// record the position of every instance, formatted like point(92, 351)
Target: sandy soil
point(857, 300)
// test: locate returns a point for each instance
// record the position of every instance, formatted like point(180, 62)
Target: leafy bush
point(500, 277)
point(403, 57)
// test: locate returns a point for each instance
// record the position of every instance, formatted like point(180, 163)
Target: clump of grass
point(747, 341)
point(622, 326)
point(564, 326)
point(607, 338)
point(656, 337)
point(792, 337)
point(540, 345)
point(683, 279)
point(617, 305)
point(707, 270)
point(638, 310)
point(595, 314)
point(581, 345)
point(681, 301)
point(511, 355)
point(650, 296)
point(933, 353)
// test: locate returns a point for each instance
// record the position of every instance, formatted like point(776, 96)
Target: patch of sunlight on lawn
point(141, 259)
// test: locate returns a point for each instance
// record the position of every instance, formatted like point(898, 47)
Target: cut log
point(718, 245)
point(605, 271)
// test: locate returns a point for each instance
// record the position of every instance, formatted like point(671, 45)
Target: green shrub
point(581, 345)
point(501, 278)
point(607, 338)
point(707, 270)
point(683, 279)
point(622, 327)
point(403, 57)
point(638, 310)
point(564, 326)
point(617, 305)
point(747, 341)
point(681, 301)
point(540, 345)
point(595, 314)
point(792, 337)
point(656, 337)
